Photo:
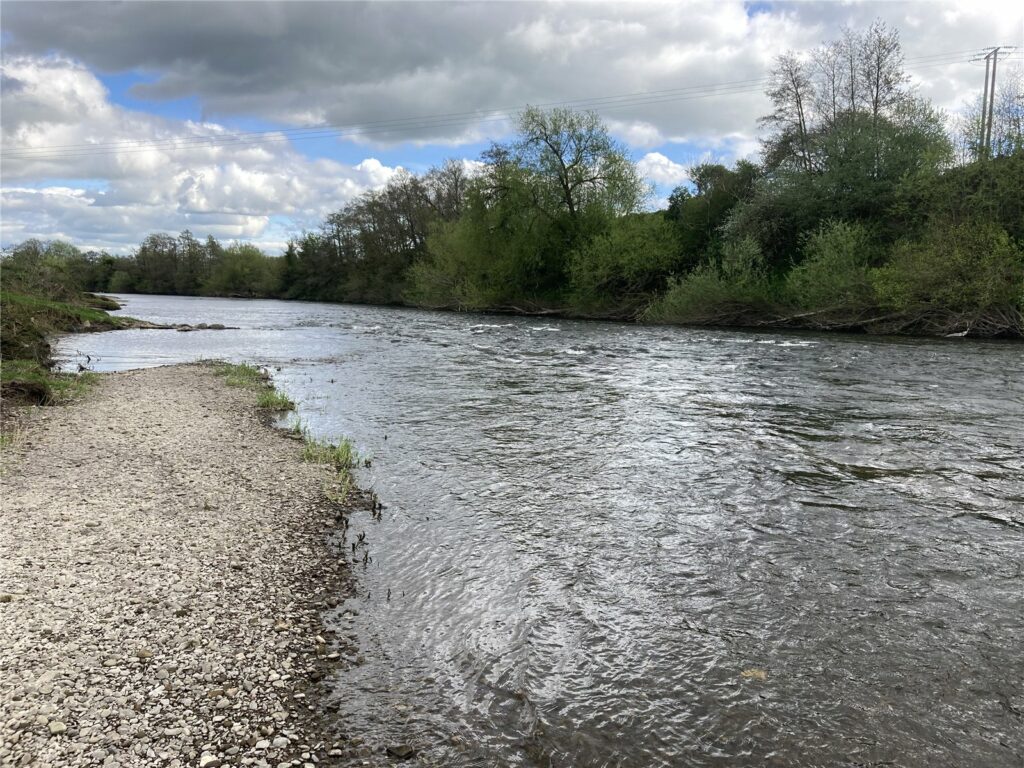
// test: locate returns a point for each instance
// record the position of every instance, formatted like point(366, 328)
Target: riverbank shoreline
point(166, 564)
point(928, 325)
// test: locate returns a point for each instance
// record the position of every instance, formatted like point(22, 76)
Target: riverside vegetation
point(41, 295)
point(867, 211)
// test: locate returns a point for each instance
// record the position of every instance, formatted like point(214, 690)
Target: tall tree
point(573, 155)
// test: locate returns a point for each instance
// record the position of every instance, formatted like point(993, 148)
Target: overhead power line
point(423, 122)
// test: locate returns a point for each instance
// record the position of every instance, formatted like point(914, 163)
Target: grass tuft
point(253, 377)
point(272, 400)
point(241, 374)
point(343, 456)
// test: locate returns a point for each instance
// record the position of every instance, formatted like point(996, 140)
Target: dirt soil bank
point(163, 568)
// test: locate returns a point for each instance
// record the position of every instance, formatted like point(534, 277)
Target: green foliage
point(562, 181)
point(27, 320)
point(834, 271)
point(620, 269)
point(969, 267)
point(28, 381)
point(699, 216)
point(729, 292)
point(343, 456)
point(272, 400)
point(981, 191)
point(243, 270)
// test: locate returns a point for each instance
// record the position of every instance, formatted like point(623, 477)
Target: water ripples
point(640, 546)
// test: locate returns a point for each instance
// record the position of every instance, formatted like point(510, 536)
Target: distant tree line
point(863, 213)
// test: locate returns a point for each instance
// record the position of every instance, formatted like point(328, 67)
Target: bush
point(737, 288)
point(835, 271)
point(622, 267)
point(965, 268)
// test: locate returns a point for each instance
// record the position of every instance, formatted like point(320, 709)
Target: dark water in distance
point(648, 546)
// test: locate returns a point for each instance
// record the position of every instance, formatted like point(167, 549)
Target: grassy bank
point(27, 322)
point(41, 295)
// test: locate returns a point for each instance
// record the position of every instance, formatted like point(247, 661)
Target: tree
point(157, 264)
point(846, 135)
point(575, 160)
point(560, 182)
point(699, 216)
point(792, 94)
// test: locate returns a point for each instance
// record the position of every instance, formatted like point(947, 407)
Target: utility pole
point(988, 96)
point(991, 99)
point(984, 107)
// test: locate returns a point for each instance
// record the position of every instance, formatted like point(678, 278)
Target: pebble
point(56, 727)
point(120, 515)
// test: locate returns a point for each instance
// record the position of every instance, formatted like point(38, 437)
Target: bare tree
point(792, 93)
point(830, 77)
point(880, 70)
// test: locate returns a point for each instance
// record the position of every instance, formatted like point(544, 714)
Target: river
point(619, 545)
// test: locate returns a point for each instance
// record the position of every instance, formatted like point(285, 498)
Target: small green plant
point(241, 374)
point(272, 400)
point(342, 457)
point(10, 438)
point(339, 489)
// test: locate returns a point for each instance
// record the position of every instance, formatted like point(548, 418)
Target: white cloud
point(661, 170)
point(358, 63)
point(351, 64)
point(228, 191)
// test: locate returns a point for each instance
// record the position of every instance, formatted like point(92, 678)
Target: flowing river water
point(616, 545)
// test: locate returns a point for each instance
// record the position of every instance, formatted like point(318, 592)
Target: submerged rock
point(401, 751)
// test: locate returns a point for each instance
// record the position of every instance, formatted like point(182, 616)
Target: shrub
point(969, 267)
point(624, 265)
point(718, 294)
point(835, 271)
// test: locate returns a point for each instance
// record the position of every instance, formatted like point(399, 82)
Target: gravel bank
point(163, 567)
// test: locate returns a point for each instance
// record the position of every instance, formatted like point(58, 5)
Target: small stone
point(282, 626)
point(144, 653)
point(281, 742)
point(401, 751)
point(56, 727)
point(6, 598)
point(263, 744)
point(209, 761)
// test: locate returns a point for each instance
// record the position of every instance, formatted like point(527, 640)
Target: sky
point(123, 119)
